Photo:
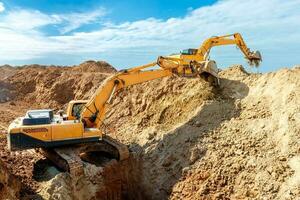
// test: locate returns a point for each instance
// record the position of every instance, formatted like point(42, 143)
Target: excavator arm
point(254, 58)
point(94, 112)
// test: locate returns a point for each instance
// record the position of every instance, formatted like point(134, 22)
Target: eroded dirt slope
point(239, 141)
point(52, 86)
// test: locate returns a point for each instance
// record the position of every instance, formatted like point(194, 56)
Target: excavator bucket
point(209, 72)
point(255, 59)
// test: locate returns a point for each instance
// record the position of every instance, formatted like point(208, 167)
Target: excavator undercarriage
point(70, 158)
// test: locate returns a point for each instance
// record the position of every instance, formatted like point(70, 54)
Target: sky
point(131, 33)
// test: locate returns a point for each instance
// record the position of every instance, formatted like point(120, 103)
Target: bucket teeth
point(255, 59)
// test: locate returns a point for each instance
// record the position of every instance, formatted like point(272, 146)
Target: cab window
point(77, 109)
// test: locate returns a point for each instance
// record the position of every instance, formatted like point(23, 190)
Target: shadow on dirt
point(164, 161)
point(44, 170)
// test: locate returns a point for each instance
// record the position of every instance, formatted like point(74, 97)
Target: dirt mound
point(198, 143)
point(6, 71)
point(193, 141)
point(94, 66)
point(252, 154)
point(53, 86)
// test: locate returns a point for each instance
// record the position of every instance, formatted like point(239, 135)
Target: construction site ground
point(188, 140)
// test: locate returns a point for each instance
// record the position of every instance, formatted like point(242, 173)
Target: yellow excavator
point(63, 138)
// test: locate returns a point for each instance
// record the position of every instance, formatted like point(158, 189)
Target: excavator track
point(65, 158)
point(122, 149)
point(68, 158)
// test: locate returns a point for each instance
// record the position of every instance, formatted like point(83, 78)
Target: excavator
point(63, 138)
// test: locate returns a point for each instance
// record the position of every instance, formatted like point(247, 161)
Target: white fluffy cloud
point(270, 25)
point(2, 8)
point(28, 20)
point(25, 20)
point(76, 20)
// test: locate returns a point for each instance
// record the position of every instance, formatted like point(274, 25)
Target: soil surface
point(236, 142)
point(190, 140)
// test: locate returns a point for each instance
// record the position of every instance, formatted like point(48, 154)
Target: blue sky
point(130, 33)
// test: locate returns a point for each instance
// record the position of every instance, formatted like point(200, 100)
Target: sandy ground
point(236, 142)
point(239, 141)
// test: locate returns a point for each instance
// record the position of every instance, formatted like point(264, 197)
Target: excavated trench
point(105, 178)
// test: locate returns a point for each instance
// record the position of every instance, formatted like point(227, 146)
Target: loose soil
point(187, 139)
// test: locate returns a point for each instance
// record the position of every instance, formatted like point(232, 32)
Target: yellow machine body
point(54, 134)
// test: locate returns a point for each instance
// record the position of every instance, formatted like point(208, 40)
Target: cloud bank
point(269, 25)
point(2, 8)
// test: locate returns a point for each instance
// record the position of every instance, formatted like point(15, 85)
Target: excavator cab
point(75, 108)
point(189, 52)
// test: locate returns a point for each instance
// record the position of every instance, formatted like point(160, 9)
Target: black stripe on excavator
point(21, 141)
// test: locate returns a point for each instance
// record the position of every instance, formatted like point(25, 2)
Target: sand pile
point(52, 86)
point(237, 142)
point(193, 141)
point(255, 153)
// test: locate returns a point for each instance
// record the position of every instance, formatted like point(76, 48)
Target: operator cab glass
point(189, 51)
point(77, 109)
